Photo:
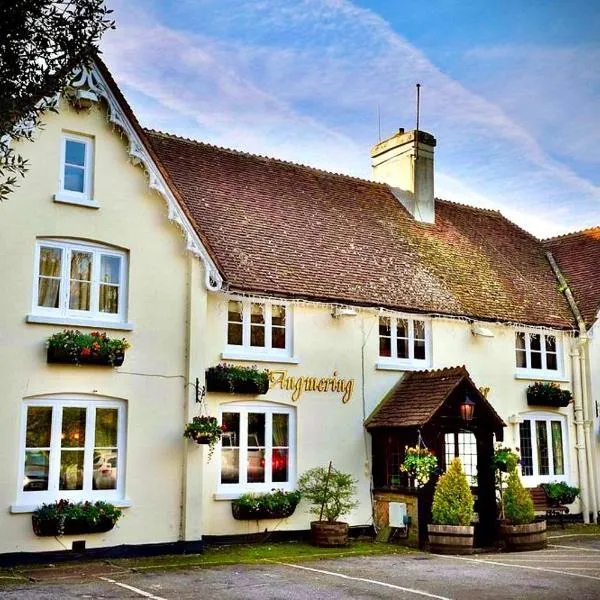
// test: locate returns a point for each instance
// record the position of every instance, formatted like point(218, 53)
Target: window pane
point(278, 315)
point(81, 266)
point(520, 340)
point(521, 359)
point(36, 470)
point(384, 326)
point(74, 179)
point(557, 448)
point(551, 362)
point(256, 443)
point(280, 430)
point(110, 269)
point(81, 272)
point(278, 337)
point(230, 454)
point(50, 261)
point(402, 347)
point(73, 427)
point(234, 312)
point(107, 420)
point(279, 465)
point(419, 330)
point(536, 360)
point(109, 299)
point(234, 334)
point(48, 292)
point(385, 346)
point(105, 472)
point(257, 313)
point(526, 449)
point(419, 350)
point(257, 335)
point(535, 342)
point(541, 434)
point(75, 153)
point(521, 351)
point(39, 422)
point(256, 465)
point(402, 328)
point(79, 298)
point(71, 470)
point(256, 429)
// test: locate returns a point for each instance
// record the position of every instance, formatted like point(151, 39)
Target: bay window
point(73, 449)
point(257, 448)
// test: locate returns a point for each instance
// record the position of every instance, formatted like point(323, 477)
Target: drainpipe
point(580, 399)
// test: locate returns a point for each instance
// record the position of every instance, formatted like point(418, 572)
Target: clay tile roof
point(578, 256)
point(415, 399)
point(284, 229)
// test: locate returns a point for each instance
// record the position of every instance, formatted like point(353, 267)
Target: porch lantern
point(467, 408)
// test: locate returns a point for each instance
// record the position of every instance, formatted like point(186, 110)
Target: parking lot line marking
point(364, 580)
point(493, 562)
point(575, 548)
point(133, 589)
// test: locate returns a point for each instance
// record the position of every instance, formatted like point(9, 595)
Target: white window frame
point(535, 479)
point(528, 372)
point(393, 362)
point(69, 196)
point(72, 316)
point(256, 353)
point(27, 499)
point(234, 490)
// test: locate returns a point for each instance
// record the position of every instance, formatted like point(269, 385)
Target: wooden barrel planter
point(524, 537)
point(451, 539)
point(324, 533)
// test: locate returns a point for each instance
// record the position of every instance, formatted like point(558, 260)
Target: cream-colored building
point(199, 256)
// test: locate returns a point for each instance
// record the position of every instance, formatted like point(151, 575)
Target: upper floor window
point(539, 352)
point(79, 280)
point(258, 328)
point(404, 340)
point(73, 449)
point(76, 169)
point(543, 446)
point(257, 448)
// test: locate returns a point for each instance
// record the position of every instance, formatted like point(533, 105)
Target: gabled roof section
point(284, 229)
point(98, 80)
point(418, 396)
point(578, 256)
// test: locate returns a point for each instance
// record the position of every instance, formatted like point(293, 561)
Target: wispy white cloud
point(301, 80)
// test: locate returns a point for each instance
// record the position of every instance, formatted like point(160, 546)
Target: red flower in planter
point(85, 352)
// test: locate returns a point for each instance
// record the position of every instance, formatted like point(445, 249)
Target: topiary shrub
point(518, 505)
point(452, 501)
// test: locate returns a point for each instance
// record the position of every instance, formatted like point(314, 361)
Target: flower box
point(51, 528)
point(230, 379)
point(244, 513)
point(548, 394)
point(62, 356)
point(276, 504)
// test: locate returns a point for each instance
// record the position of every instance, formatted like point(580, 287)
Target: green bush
point(517, 502)
point(333, 493)
point(452, 500)
point(560, 493)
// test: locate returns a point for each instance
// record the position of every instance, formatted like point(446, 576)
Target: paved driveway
point(569, 568)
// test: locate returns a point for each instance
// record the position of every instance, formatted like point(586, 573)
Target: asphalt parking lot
point(568, 568)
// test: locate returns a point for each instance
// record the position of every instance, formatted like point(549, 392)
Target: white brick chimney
point(405, 163)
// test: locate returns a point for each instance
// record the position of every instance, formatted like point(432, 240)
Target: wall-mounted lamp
point(481, 331)
point(467, 409)
point(343, 311)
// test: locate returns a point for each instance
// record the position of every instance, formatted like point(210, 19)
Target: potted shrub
point(332, 494)
point(74, 518)
point(96, 348)
point(204, 430)
point(548, 394)
point(504, 461)
point(520, 530)
point(276, 504)
point(558, 493)
point(420, 464)
point(451, 531)
point(239, 380)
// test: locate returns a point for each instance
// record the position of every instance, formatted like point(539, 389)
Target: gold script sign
point(298, 385)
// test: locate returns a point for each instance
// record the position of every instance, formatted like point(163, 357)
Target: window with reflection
point(256, 447)
point(536, 351)
point(403, 339)
point(76, 170)
point(73, 449)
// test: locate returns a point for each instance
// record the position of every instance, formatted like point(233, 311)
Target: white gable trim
point(88, 84)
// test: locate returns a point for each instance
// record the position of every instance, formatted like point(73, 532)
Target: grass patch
point(573, 529)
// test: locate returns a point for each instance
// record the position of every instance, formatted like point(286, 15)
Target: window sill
point(17, 509)
point(66, 199)
point(254, 357)
point(541, 376)
point(401, 366)
point(78, 322)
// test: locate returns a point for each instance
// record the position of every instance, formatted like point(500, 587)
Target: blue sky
point(511, 89)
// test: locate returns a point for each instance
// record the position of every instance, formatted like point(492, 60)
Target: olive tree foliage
point(41, 43)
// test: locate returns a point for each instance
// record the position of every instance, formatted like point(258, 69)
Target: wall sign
point(299, 385)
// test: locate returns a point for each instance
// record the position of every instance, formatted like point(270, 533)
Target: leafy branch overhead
point(41, 44)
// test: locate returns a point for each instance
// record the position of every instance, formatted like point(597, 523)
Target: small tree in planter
point(521, 531)
point(332, 494)
point(204, 430)
point(452, 511)
point(504, 461)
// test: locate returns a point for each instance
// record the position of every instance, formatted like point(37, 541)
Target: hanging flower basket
point(237, 380)
point(272, 505)
point(548, 394)
point(204, 430)
point(76, 348)
point(420, 464)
